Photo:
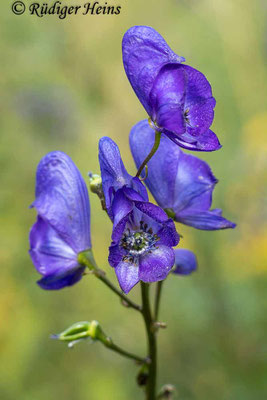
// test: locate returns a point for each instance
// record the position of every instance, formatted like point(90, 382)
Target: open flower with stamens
point(177, 97)
point(142, 241)
point(143, 235)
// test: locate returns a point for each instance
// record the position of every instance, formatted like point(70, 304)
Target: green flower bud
point(167, 392)
point(95, 183)
point(82, 330)
point(142, 376)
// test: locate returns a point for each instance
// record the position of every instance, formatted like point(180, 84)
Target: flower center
point(138, 242)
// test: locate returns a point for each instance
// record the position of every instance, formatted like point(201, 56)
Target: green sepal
point(86, 258)
point(170, 212)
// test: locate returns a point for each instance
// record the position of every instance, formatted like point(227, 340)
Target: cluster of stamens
point(186, 116)
point(138, 242)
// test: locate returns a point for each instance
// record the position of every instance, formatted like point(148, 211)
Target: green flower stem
point(86, 258)
point(101, 276)
point(157, 299)
point(150, 155)
point(110, 345)
point(152, 344)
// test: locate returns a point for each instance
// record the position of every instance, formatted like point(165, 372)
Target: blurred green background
point(63, 87)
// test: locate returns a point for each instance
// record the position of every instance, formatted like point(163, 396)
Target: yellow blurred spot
point(254, 137)
point(248, 256)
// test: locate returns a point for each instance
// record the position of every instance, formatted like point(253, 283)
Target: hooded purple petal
point(49, 253)
point(55, 281)
point(144, 53)
point(114, 175)
point(179, 182)
point(185, 262)
point(127, 274)
point(156, 265)
point(62, 200)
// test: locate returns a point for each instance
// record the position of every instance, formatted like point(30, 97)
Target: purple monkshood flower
point(185, 262)
point(143, 235)
point(62, 229)
point(177, 97)
point(180, 183)
point(114, 175)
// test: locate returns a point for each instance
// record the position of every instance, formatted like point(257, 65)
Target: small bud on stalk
point(142, 375)
point(167, 392)
point(95, 184)
point(82, 330)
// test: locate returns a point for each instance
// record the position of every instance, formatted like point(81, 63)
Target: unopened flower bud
point(167, 392)
point(95, 184)
point(96, 332)
point(142, 376)
point(79, 330)
point(82, 330)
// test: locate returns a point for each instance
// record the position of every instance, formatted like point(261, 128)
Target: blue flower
point(143, 235)
point(177, 97)
point(185, 262)
point(180, 183)
point(62, 229)
point(114, 175)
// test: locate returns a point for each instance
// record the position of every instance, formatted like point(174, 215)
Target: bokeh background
point(63, 87)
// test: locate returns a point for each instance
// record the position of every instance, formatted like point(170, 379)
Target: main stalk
point(152, 344)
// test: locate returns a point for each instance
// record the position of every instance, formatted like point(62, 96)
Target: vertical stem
point(152, 344)
point(157, 299)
